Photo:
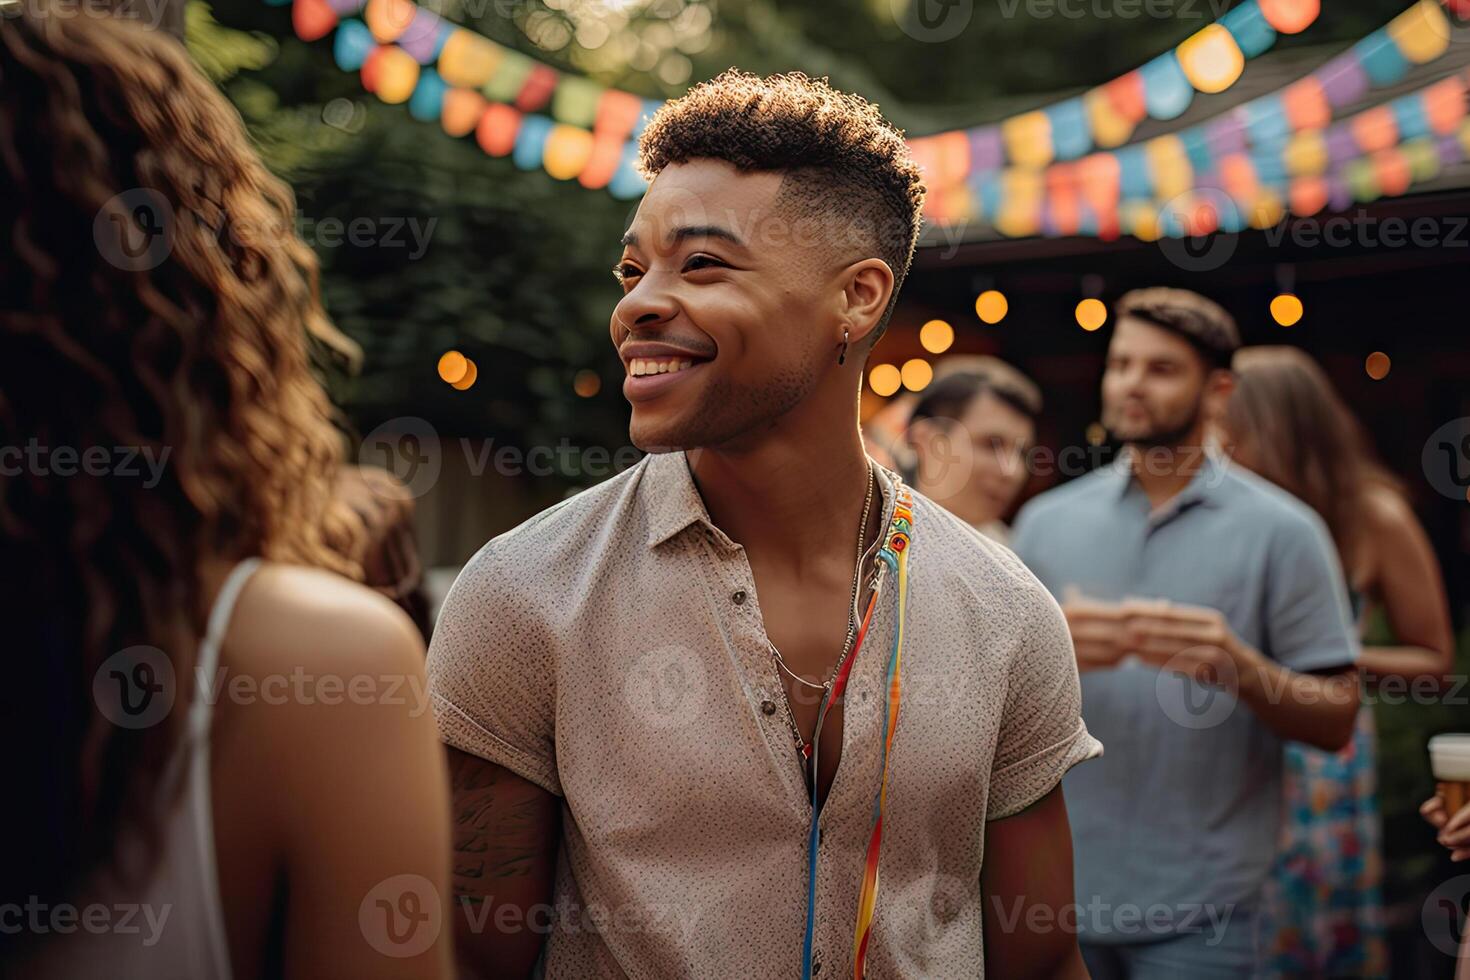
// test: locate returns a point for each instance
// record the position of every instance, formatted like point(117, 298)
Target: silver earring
point(843, 356)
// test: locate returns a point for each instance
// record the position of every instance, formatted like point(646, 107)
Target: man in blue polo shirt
point(1211, 623)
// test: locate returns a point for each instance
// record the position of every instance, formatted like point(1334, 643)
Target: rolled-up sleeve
point(1042, 734)
point(492, 676)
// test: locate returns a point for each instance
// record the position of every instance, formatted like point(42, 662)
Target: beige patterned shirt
point(611, 650)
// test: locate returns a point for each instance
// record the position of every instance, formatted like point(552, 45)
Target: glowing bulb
point(452, 366)
point(991, 306)
point(1091, 314)
point(1378, 365)
point(936, 336)
point(470, 376)
point(587, 383)
point(1286, 309)
point(916, 374)
point(884, 379)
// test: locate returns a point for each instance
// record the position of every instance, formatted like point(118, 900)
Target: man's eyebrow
point(692, 231)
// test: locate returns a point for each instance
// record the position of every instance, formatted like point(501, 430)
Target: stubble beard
point(1170, 437)
point(731, 416)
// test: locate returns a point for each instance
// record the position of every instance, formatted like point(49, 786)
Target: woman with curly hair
point(220, 762)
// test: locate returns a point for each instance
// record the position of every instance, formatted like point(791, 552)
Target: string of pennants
point(471, 84)
point(1061, 170)
point(1208, 61)
point(1282, 144)
point(1253, 149)
point(514, 105)
point(1408, 141)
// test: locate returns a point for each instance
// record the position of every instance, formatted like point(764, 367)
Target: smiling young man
point(631, 682)
point(1211, 622)
point(972, 434)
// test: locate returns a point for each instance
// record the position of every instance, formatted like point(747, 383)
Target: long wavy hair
point(1290, 424)
point(154, 303)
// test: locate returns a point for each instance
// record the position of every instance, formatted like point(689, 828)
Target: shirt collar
point(672, 500)
point(1201, 488)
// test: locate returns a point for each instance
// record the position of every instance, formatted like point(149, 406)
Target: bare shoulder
point(1386, 512)
point(320, 703)
point(319, 670)
point(296, 617)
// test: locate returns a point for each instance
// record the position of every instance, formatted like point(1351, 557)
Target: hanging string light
point(1286, 309)
point(1091, 314)
point(992, 306)
point(936, 336)
point(916, 374)
point(884, 379)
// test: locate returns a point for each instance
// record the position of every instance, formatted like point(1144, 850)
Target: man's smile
point(654, 366)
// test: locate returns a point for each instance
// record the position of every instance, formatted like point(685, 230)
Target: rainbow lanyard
point(894, 558)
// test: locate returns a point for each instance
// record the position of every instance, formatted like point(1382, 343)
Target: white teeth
point(643, 366)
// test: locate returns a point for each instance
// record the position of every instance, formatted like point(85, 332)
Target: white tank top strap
point(193, 941)
point(206, 664)
point(199, 818)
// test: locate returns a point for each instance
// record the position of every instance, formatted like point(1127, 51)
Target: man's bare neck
point(1164, 471)
point(800, 497)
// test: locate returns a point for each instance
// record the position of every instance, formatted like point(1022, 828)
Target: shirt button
point(816, 965)
point(738, 597)
point(768, 707)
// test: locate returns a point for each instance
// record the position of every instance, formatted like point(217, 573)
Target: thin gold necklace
point(857, 575)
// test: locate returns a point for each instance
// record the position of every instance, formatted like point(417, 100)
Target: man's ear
point(866, 288)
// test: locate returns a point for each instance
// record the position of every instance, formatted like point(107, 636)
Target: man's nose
point(650, 301)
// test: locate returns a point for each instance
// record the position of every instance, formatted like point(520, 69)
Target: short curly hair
point(846, 166)
point(1202, 322)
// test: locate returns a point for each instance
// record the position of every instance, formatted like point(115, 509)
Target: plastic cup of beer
point(1449, 760)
